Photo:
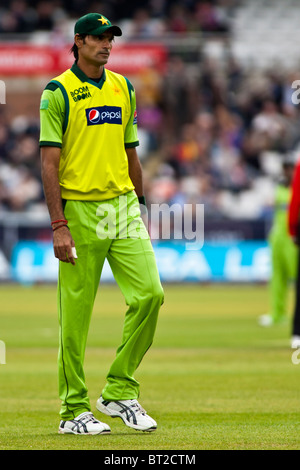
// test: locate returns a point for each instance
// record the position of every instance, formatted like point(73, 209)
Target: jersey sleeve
point(131, 133)
point(52, 116)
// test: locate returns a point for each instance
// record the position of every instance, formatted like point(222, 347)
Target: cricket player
point(294, 230)
point(283, 251)
point(93, 186)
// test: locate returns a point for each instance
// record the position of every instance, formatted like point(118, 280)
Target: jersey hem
point(132, 144)
point(93, 196)
point(47, 143)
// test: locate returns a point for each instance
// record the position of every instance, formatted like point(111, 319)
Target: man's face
point(95, 49)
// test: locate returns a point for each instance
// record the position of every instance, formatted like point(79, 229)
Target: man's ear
point(78, 40)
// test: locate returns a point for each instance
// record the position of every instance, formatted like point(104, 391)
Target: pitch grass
point(213, 378)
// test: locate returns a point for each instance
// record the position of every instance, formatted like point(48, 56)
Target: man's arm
point(136, 176)
point(135, 170)
point(62, 238)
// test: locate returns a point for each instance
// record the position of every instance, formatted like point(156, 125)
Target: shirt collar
point(82, 76)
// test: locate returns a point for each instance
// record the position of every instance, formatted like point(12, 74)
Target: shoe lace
point(137, 408)
point(88, 418)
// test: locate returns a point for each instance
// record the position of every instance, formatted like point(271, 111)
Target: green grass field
point(213, 378)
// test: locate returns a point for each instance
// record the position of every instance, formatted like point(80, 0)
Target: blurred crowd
point(20, 179)
point(222, 137)
point(147, 17)
point(212, 133)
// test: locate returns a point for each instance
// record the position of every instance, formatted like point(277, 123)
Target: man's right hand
point(63, 244)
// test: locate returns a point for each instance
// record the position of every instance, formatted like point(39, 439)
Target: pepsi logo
point(135, 117)
point(104, 115)
point(94, 115)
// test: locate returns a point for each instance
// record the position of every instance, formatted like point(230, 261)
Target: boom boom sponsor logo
point(81, 93)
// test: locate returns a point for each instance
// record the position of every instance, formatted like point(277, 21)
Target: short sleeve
point(52, 116)
point(131, 132)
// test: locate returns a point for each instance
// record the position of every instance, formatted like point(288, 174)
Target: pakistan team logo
point(81, 93)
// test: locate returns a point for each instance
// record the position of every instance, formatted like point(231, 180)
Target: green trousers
point(111, 230)
point(284, 268)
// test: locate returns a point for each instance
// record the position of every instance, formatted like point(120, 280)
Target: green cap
point(95, 24)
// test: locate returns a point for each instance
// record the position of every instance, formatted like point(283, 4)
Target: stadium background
point(213, 82)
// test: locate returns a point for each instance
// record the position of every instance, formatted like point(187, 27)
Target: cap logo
point(103, 20)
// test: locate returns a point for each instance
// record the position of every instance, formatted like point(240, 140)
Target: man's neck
point(92, 71)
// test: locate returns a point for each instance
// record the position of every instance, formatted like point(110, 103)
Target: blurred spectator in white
point(18, 187)
point(270, 123)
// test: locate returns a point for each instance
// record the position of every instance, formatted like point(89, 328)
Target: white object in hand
point(74, 252)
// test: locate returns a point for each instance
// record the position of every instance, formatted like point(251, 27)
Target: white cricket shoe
point(295, 342)
point(265, 320)
point(85, 423)
point(130, 411)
